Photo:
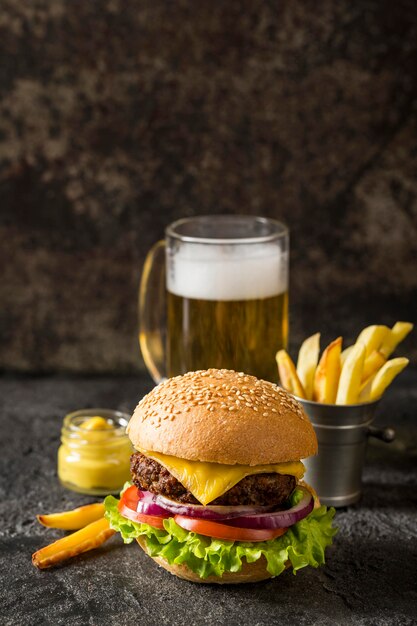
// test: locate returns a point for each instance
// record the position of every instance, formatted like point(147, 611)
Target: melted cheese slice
point(208, 481)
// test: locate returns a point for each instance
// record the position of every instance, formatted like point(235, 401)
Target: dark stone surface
point(118, 116)
point(369, 578)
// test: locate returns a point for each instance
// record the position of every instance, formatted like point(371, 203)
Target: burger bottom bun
point(250, 572)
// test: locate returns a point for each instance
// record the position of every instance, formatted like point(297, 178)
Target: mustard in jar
point(94, 455)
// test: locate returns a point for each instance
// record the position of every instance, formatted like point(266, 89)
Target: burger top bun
point(222, 416)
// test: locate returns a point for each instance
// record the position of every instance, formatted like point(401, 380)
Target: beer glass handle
point(152, 312)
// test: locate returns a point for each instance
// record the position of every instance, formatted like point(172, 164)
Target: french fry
point(75, 519)
point(327, 373)
point(378, 383)
point(288, 374)
point(364, 385)
point(397, 334)
point(344, 354)
point(308, 357)
point(351, 375)
point(88, 538)
point(372, 364)
point(372, 337)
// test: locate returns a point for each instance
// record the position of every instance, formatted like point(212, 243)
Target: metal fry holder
point(342, 433)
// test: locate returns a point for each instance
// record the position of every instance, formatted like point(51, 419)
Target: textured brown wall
point(117, 117)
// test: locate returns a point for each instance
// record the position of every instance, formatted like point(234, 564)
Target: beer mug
point(214, 293)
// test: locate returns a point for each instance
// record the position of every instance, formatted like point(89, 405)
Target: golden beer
point(243, 335)
point(224, 303)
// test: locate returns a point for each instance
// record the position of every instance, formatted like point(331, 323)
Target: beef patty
point(256, 490)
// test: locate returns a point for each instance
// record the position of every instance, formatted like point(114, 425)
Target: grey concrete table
point(370, 576)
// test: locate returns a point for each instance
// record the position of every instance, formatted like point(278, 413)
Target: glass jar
point(94, 456)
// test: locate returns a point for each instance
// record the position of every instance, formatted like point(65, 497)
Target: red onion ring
point(278, 519)
point(147, 504)
point(209, 512)
point(261, 517)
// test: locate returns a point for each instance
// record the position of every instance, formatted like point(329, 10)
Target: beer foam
point(233, 272)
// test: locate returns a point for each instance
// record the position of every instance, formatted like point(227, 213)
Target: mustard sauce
point(94, 456)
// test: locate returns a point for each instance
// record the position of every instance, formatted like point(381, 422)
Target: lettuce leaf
point(303, 544)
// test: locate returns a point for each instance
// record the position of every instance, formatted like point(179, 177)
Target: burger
point(217, 493)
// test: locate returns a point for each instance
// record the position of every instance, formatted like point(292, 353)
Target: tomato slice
point(223, 531)
point(131, 497)
point(127, 507)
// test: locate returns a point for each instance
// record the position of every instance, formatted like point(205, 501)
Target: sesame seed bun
point(222, 416)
